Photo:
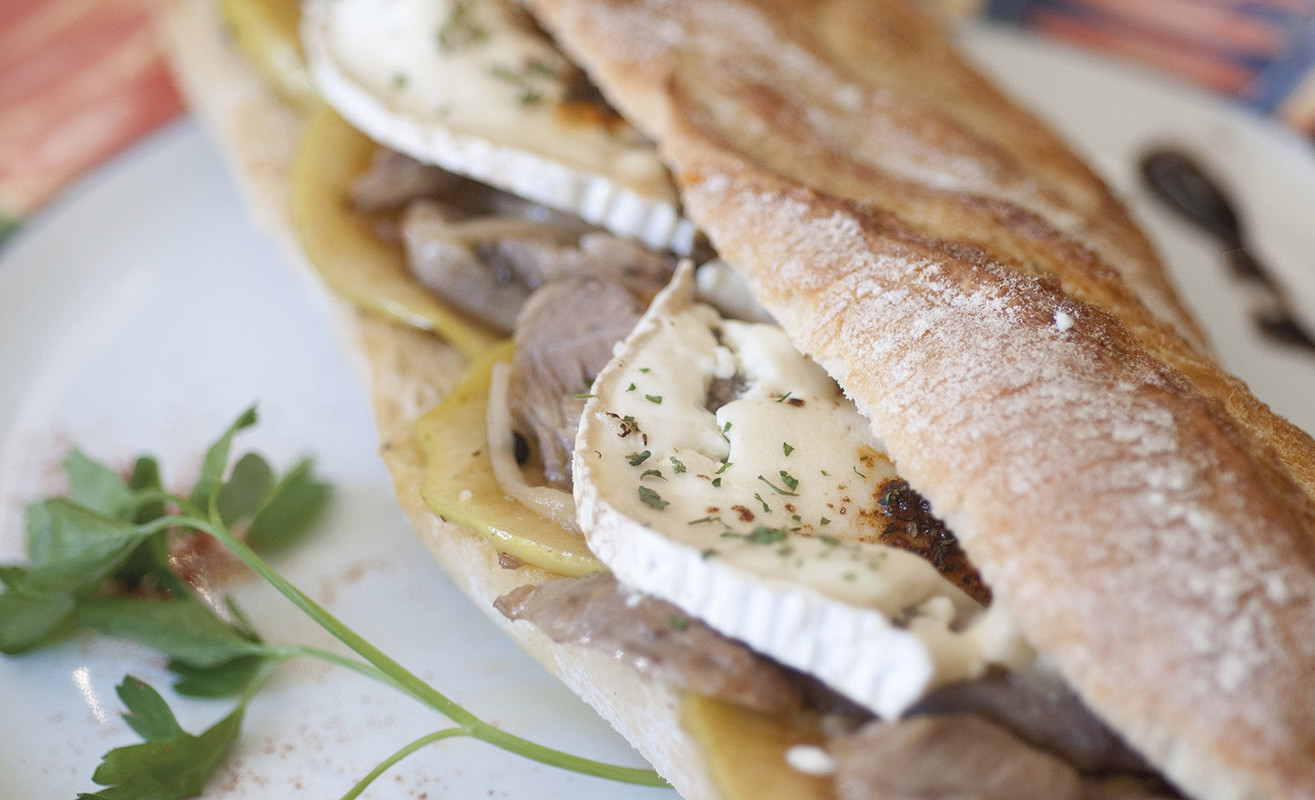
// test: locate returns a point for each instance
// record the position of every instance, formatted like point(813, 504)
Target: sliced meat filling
point(655, 637)
point(564, 337)
point(489, 266)
point(491, 255)
point(1021, 728)
point(949, 757)
point(540, 260)
point(1043, 712)
point(962, 757)
point(393, 180)
point(1005, 735)
point(452, 269)
point(485, 251)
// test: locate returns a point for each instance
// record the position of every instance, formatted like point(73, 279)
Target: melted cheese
point(477, 89)
point(761, 516)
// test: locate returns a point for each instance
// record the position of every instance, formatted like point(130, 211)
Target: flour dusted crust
point(868, 99)
point(406, 372)
point(990, 307)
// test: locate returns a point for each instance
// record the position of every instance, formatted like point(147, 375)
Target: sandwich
point(802, 402)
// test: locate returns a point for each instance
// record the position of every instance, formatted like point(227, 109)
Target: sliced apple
point(461, 487)
point(268, 32)
point(749, 753)
point(341, 245)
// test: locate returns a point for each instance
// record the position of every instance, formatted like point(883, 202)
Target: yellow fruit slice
point(460, 485)
point(351, 259)
point(267, 31)
point(746, 750)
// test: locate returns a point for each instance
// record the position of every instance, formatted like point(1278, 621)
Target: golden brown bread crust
point(881, 107)
point(991, 308)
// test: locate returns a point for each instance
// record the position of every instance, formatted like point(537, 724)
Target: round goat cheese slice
point(719, 469)
point(477, 89)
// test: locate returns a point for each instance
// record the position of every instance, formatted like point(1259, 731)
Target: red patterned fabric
point(79, 81)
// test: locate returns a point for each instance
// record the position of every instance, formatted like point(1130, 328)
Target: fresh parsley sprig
point(99, 559)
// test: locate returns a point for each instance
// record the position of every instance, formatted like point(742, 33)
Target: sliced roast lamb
point(486, 253)
point(488, 266)
point(655, 637)
point(959, 757)
point(1042, 711)
point(393, 180)
point(540, 260)
point(963, 757)
point(564, 337)
point(454, 271)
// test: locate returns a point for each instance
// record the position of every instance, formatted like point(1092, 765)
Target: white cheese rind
point(382, 68)
point(795, 571)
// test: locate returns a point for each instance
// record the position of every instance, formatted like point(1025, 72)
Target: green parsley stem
point(285, 652)
point(489, 734)
point(556, 758)
point(400, 676)
point(411, 747)
point(408, 682)
point(258, 680)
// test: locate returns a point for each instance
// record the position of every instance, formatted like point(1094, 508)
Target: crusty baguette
point(991, 309)
point(405, 373)
point(1000, 334)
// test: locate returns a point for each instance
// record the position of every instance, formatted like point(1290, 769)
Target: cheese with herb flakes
point(477, 89)
point(718, 468)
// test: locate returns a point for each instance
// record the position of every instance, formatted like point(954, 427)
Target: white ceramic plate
point(1112, 113)
point(143, 313)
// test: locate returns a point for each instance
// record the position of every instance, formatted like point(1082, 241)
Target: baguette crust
point(993, 311)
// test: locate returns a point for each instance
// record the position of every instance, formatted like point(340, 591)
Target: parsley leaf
point(765, 535)
point(216, 461)
point(651, 498)
point(145, 482)
point(222, 680)
point(110, 535)
point(75, 550)
point(60, 530)
point(245, 491)
point(788, 480)
point(290, 510)
point(11, 574)
point(108, 530)
point(171, 763)
point(183, 628)
point(95, 486)
point(148, 715)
